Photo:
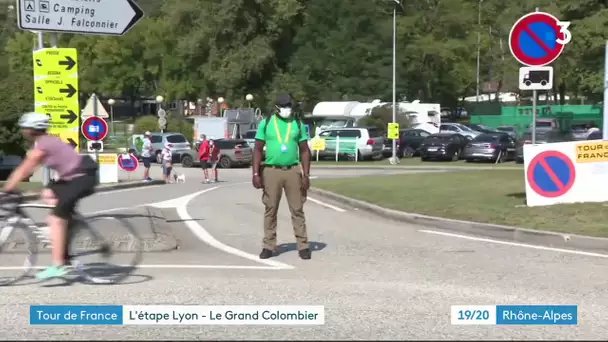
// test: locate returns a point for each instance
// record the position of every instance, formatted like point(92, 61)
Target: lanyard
point(278, 132)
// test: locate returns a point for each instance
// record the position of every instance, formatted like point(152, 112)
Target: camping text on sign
point(592, 152)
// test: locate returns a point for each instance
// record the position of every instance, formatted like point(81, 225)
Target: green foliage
point(318, 50)
point(145, 123)
point(16, 97)
point(380, 117)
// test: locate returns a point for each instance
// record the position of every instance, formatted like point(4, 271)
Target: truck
point(537, 77)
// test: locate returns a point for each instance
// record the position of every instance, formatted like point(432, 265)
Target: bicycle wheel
point(17, 238)
point(100, 259)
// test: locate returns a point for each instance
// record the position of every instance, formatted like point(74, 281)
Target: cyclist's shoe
point(52, 272)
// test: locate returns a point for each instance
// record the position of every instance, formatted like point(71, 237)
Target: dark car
point(597, 135)
point(496, 147)
point(542, 137)
point(480, 128)
point(510, 130)
point(409, 142)
point(442, 146)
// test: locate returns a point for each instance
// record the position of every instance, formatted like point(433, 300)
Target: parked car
point(445, 146)
point(480, 128)
point(249, 137)
point(496, 147)
point(597, 135)
point(410, 141)
point(234, 152)
point(510, 130)
point(177, 143)
point(458, 128)
point(579, 132)
point(542, 137)
point(369, 144)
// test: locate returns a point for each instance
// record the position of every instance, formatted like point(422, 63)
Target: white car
point(459, 128)
point(369, 141)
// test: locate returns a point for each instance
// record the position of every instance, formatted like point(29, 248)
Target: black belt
point(281, 167)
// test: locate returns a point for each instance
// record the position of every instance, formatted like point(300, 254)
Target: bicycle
point(18, 220)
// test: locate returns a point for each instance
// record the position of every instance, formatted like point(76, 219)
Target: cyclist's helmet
point(35, 121)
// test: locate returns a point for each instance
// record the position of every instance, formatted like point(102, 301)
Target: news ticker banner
point(176, 315)
point(514, 314)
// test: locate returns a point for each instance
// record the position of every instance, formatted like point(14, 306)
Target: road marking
point(227, 267)
point(516, 244)
point(181, 204)
point(327, 205)
point(128, 189)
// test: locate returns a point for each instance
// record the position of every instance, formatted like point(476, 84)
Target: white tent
point(334, 107)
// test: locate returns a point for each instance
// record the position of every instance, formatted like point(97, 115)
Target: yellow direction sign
point(56, 91)
point(56, 62)
point(393, 131)
point(318, 144)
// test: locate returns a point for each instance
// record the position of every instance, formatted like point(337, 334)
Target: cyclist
point(76, 179)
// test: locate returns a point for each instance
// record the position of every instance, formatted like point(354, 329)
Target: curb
point(494, 231)
point(105, 188)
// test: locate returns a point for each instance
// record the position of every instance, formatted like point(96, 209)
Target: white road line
point(128, 189)
point(516, 244)
point(181, 204)
point(227, 267)
point(327, 205)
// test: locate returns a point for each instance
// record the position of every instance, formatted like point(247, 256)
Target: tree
point(17, 97)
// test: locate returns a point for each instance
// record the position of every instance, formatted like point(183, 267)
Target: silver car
point(460, 129)
point(177, 143)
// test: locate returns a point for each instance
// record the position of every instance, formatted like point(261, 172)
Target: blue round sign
point(128, 162)
point(94, 128)
point(551, 174)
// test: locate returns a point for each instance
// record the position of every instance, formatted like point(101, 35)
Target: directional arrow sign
point(69, 90)
point(72, 142)
point(56, 62)
point(69, 117)
point(55, 89)
point(107, 17)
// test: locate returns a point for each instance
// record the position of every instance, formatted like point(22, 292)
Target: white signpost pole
point(605, 111)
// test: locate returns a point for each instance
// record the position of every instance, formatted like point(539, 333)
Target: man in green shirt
point(286, 144)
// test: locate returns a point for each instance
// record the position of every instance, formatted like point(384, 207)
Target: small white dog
point(179, 178)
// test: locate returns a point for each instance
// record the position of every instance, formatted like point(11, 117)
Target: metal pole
point(478, 48)
point(605, 114)
point(160, 106)
point(112, 119)
point(54, 40)
point(95, 114)
point(46, 172)
point(533, 116)
point(394, 160)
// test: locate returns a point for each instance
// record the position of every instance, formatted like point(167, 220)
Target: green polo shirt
point(274, 155)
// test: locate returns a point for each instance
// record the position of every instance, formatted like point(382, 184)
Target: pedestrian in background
point(286, 144)
point(167, 160)
point(146, 156)
point(204, 154)
point(214, 156)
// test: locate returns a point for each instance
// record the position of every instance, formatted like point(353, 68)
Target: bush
point(380, 117)
point(17, 97)
point(174, 125)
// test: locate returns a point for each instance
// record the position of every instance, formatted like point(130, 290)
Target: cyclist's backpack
point(298, 122)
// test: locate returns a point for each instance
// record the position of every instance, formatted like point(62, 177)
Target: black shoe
point(305, 254)
point(266, 254)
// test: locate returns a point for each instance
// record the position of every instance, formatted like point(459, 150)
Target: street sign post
point(128, 162)
point(95, 128)
point(56, 91)
point(107, 17)
point(536, 40)
point(536, 78)
point(89, 109)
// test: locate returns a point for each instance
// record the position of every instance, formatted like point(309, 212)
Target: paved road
point(377, 279)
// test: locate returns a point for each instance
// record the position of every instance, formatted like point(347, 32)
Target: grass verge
point(493, 196)
point(413, 162)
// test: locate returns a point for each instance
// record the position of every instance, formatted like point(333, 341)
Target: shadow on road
point(290, 247)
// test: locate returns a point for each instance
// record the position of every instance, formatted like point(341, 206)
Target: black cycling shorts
point(70, 192)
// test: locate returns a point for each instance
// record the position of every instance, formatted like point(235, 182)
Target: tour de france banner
point(566, 172)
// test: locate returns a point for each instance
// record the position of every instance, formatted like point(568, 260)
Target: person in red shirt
point(214, 157)
point(204, 154)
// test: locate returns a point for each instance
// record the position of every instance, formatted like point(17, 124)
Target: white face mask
point(284, 112)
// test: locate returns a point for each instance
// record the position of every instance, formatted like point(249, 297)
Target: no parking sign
point(128, 162)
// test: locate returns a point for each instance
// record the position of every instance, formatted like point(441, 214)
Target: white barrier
point(567, 172)
point(108, 167)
